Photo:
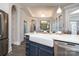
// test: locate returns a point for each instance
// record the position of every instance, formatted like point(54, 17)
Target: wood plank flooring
point(18, 50)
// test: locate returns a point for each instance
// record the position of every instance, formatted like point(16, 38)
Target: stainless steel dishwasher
point(62, 48)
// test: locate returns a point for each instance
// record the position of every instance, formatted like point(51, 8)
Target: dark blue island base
point(36, 49)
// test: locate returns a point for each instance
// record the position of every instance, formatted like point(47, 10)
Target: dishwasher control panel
point(65, 48)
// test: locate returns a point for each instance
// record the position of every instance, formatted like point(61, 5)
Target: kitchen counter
point(47, 39)
point(68, 38)
point(44, 39)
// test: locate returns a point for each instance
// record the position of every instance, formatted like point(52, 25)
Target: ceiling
point(42, 9)
point(45, 4)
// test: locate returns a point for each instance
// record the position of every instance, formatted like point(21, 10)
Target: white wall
point(37, 24)
point(4, 7)
point(23, 16)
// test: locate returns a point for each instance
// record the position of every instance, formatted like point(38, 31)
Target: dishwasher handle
point(71, 44)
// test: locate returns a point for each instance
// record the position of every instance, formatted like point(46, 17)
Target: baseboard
point(16, 43)
point(10, 49)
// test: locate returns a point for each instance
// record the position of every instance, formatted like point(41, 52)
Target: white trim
point(30, 12)
point(10, 49)
point(16, 43)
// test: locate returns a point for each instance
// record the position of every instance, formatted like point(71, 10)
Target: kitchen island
point(48, 40)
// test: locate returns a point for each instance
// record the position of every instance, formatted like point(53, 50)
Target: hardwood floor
point(18, 50)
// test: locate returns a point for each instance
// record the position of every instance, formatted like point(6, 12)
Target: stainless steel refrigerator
point(3, 33)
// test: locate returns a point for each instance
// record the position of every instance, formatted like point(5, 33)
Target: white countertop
point(47, 39)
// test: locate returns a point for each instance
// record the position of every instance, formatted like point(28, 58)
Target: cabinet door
point(33, 49)
point(45, 50)
point(36, 49)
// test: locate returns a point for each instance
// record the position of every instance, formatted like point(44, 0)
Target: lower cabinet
point(27, 44)
point(33, 49)
point(45, 51)
point(36, 49)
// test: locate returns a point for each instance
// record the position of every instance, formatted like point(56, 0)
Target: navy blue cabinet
point(45, 50)
point(33, 49)
point(36, 49)
point(27, 44)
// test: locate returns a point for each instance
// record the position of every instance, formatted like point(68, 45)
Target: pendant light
point(59, 11)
